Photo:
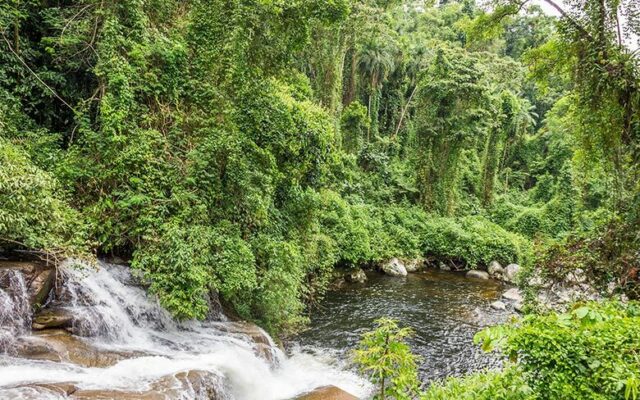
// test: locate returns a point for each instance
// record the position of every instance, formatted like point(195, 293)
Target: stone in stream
point(513, 294)
point(264, 347)
point(60, 346)
point(188, 384)
point(327, 393)
point(495, 269)
point(414, 265)
point(498, 305)
point(394, 267)
point(356, 276)
point(477, 274)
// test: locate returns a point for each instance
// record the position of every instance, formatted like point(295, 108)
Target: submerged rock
point(327, 393)
point(356, 276)
point(477, 274)
point(394, 267)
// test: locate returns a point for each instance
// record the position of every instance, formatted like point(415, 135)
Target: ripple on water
point(445, 309)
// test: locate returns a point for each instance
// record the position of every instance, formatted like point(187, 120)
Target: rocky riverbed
point(91, 332)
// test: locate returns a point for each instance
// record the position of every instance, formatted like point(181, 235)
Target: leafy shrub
point(184, 264)
point(589, 353)
point(474, 241)
point(502, 385)
point(386, 358)
point(34, 212)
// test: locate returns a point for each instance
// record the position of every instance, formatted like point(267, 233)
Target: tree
point(386, 358)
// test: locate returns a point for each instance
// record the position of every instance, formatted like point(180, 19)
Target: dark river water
point(445, 310)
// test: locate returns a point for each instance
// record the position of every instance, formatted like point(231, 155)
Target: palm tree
point(376, 61)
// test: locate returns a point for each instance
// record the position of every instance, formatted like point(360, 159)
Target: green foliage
point(34, 212)
point(474, 241)
point(588, 353)
point(385, 357)
point(503, 385)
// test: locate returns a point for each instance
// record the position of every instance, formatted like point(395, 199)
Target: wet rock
point(41, 286)
point(39, 278)
point(264, 346)
point(498, 305)
point(444, 267)
point(394, 267)
point(189, 384)
point(513, 294)
point(511, 273)
point(327, 393)
point(495, 269)
point(38, 391)
point(356, 276)
point(60, 346)
point(477, 274)
point(414, 265)
point(53, 318)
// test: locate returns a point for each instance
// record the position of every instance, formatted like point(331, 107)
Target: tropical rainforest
point(253, 149)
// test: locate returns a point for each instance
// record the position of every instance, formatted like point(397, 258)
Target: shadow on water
point(445, 310)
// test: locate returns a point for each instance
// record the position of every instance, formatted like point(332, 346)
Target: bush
point(34, 212)
point(589, 353)
point(474, 241)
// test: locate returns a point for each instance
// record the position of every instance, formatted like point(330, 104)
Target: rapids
point(114, 315)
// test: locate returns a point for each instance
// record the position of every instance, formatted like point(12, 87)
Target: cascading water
point(14, 308)
point(113, 315)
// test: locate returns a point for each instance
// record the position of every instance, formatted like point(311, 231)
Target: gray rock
point(356, 276)
point(444, 267)
point(477, 274)
point(394, 267)
point(495, 269)
point(498, 305)
point(414, 265)
point(513, 294)
point(511, 272)
point(518, 307)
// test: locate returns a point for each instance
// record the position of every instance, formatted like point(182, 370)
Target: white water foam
point(121, 317)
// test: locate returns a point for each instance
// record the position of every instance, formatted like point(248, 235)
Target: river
point(445, 310)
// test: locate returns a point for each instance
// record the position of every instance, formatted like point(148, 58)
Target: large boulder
point(327, 393)
point(394, 267)
point(263, 345)
point(356, 276)
point(477, 274)
point(511, 273)
point(38, 277)
point(189, 384)
point(60, 346)
point(495, 269)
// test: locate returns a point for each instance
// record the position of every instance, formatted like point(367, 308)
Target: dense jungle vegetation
point(251, 148)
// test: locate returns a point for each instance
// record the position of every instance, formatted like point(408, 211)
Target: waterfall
point(113, 314)
point(14, 308)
